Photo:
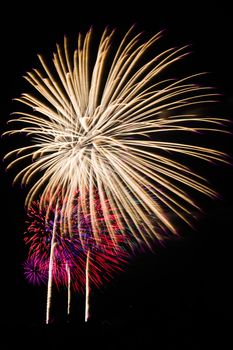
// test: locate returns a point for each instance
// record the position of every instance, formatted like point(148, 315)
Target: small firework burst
point(35, 270)
point(105, 256)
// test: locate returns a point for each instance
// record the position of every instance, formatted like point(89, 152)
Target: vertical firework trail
point(51, 259)
point(87, 301)
point(68, 289)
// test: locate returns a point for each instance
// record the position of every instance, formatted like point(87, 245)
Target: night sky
point(180, 297)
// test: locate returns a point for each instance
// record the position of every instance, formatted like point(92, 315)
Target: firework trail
point(87, 287)
point(68, 289)
point(104, 121)
point(51, 260)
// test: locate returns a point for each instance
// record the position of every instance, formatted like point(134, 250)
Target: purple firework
point(105, 256)
point(35, 270)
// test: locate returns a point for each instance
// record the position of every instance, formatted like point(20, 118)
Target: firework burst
point(66, 260)
point(97, 122)
point(105, 258)
point(35, 271)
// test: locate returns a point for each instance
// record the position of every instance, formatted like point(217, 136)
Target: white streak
point(50, 277)
point(68, 289)
point(87, 295)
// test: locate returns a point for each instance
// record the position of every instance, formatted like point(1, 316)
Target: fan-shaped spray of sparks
point(98, 124)
point(67, 260)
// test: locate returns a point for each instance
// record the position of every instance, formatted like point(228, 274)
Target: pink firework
point(105, 256)
point(35, 271)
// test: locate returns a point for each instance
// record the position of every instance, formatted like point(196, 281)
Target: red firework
point(105, 256)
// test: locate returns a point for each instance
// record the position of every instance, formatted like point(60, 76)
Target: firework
point(35, 270)
point(66, 259)
point(105, 257)
point(87, 286)
point(104, 121)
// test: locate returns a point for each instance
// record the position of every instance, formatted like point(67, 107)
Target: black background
point(180, 297)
